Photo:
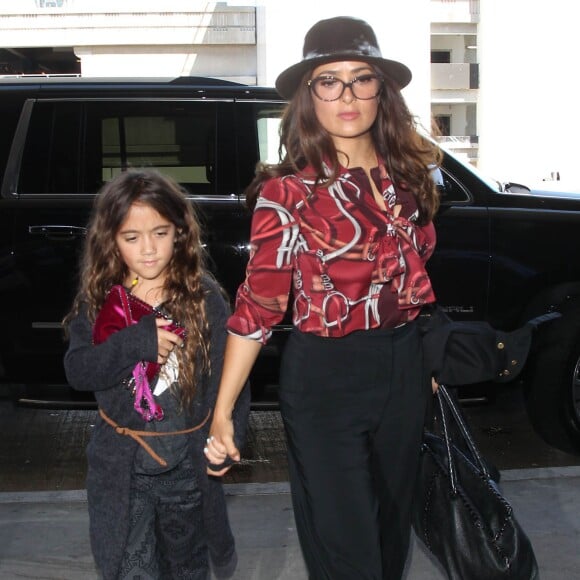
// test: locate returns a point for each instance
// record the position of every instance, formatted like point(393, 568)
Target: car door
point(460, 267)
point(69, 149)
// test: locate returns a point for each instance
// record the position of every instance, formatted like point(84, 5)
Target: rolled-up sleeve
point(426, 238)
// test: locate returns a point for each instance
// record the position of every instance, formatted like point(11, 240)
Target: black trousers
point(353, 411)
point(166, 535)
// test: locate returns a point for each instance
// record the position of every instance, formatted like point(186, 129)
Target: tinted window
point(178, 139)
point(77, 146)
point(9, 113)
point(51, 159)
point(450, 191)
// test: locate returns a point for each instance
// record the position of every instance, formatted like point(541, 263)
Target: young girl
point(345, 220)
point(154, 513)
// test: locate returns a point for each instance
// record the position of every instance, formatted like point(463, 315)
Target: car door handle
point(55, 232)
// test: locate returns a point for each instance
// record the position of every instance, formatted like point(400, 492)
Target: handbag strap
point(445, 400)
point(145, 403)
point(465, 432)
point(447, 439)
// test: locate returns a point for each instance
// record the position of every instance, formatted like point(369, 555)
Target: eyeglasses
point(329, 88)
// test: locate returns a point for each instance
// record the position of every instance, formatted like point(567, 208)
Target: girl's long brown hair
point(102, 267)
point(303, 142)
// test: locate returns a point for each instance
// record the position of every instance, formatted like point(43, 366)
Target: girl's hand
point(166, 341)
point(220, 446)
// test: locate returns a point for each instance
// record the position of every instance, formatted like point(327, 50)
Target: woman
point(345, 220)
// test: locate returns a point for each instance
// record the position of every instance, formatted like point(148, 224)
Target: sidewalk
point(44, 535)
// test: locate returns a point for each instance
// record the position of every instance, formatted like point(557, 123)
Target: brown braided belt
point(138, 435)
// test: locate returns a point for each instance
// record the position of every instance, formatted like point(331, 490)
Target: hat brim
point(288, 80)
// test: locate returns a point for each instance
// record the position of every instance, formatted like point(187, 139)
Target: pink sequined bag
point(122, 309)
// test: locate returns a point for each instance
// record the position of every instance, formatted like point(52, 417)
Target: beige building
point(455, 75)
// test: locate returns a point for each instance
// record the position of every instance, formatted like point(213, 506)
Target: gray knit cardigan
point(101, 369)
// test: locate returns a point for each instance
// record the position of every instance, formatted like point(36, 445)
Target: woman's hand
point(434, 385)
point(220, 445)
point(166, 341)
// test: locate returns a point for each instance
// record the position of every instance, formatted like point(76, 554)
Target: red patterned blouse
point(351, 265)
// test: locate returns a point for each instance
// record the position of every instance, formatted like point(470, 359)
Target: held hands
point(166, 341)
point(221, 451)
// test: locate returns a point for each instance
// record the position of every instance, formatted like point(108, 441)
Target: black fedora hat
point(340, 38)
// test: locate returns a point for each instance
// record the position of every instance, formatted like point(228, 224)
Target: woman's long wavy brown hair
point(102, 266)
point(409, 156)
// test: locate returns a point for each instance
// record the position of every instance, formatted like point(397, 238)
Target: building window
point(443, 123)
point(441, 56)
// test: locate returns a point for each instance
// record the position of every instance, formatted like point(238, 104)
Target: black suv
point(504, 253)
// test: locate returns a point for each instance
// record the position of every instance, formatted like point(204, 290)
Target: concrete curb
point(273, 488)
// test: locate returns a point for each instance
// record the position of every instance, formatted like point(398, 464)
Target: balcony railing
point(465, 146)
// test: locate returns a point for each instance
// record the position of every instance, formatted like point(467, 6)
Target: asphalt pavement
point(44, 534)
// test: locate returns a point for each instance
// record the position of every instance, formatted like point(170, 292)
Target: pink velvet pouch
point(122, 309)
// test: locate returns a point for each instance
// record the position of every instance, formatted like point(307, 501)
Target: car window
point(258, 139)
point(268, 124)
point(467, 167)
point(9, 113)
point(51, 162)
point(176, 139)
point(449, 189)
point(452, 192)
point(75, 146)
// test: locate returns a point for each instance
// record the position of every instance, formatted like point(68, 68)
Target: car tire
point(552, 385)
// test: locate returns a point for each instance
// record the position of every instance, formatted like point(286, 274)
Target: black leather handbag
point(460, 514)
